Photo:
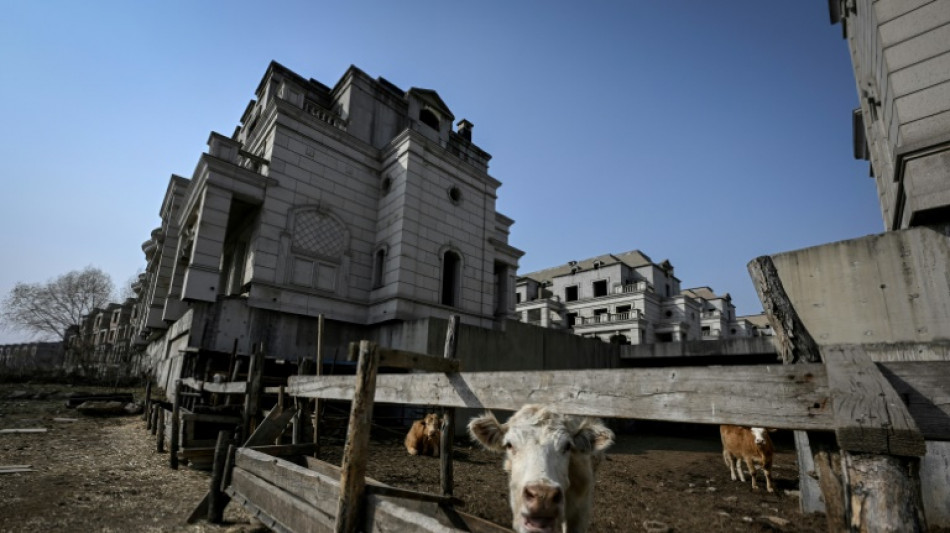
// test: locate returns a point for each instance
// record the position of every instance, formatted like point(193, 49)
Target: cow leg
point(728, 459)
point(767, 470)
point(751, 467)
point(739, 468)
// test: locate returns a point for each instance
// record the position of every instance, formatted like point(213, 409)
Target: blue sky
point(706, 133)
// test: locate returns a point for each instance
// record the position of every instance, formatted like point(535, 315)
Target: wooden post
point(317, 403)
point(159, 428)
point(353, 468)
point(148, 399)
point(448, 414)
point(870, 480)
point(252, 394)
point(217, 500)
point(175, 432)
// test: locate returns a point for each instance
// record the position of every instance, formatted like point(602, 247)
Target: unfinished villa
point(360, 203)
point(626, 298)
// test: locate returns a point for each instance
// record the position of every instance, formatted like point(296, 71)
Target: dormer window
point(429, 118)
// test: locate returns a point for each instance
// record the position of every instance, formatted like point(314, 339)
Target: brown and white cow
point(750, 445)
point(551, 459)
point(425, 436)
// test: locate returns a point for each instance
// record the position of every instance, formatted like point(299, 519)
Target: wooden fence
point(863, 407)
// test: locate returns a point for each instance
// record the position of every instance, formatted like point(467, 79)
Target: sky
point(706, 133)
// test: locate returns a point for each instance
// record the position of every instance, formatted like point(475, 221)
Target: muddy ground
point(104, 474)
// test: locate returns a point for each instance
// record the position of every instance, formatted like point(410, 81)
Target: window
point(427, 117)
point(317, 246)
point(518, 297)
point(570, 293)
point(451, 264)
point(571, 319)
point(600, 288)
point(378, 261)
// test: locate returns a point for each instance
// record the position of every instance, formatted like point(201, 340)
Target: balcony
point(640, 286)
point(608, 318)
point(712, 314)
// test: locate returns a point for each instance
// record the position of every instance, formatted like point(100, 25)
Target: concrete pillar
point(202, 275)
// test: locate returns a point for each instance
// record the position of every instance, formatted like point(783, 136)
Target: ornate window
point(318, 242)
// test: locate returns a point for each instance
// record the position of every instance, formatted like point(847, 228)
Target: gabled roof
point(432, 98)
point(701, 292)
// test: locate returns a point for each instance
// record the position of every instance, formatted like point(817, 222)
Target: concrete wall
point(888, 288)
point(738, 350)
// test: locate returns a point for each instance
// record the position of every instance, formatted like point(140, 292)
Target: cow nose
point(540, 496)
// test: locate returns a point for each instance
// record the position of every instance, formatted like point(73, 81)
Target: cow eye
point(566, 447)
point(509, 447)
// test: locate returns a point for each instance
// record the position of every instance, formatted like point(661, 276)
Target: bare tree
point(47, 310)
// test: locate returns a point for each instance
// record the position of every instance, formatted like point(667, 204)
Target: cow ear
point(488, 432)
point(593, 436)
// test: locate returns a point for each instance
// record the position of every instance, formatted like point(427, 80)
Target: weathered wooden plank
point(415, 361)
point(384, 514)
point(925, 390)
point(282, 507)
point(276, 450)
point(271, 427)
point(211, 418)
point(869, 415)
point(22, 430)
point(315, 488)
point(230, 387)
point(353, 467)
point(781, 396)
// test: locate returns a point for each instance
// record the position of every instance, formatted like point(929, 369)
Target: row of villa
point(362, 204)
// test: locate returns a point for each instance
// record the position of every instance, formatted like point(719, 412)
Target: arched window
point(427, 117)
point(451, 275)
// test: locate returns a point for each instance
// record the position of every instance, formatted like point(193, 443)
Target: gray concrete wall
point(735, 348)
point(887, 288)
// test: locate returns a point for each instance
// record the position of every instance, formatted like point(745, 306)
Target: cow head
point(433, 424)
point(760, 435)
point(544, 452)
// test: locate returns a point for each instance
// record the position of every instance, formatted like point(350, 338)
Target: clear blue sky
point(706, 133)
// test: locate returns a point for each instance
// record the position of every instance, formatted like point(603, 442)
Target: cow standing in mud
point(551, 459)
point(751, 445)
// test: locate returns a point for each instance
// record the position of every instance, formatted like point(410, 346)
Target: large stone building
point(359, 202)
point(627, 298)
point(900, 51)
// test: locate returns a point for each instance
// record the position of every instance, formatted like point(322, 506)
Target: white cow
point(551, 459)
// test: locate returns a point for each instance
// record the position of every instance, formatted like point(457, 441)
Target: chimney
point(465, 129)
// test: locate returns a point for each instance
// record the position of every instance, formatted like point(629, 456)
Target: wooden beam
point(780, 396)
point(230, 387)
point(870, 416)
point(353, 468)
point(795, 343)
point(218, 500)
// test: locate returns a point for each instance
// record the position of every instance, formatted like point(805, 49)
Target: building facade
point(628, 299)
point(900, 51)
point(361, 203)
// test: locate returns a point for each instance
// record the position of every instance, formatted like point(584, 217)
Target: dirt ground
point(104, 474)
